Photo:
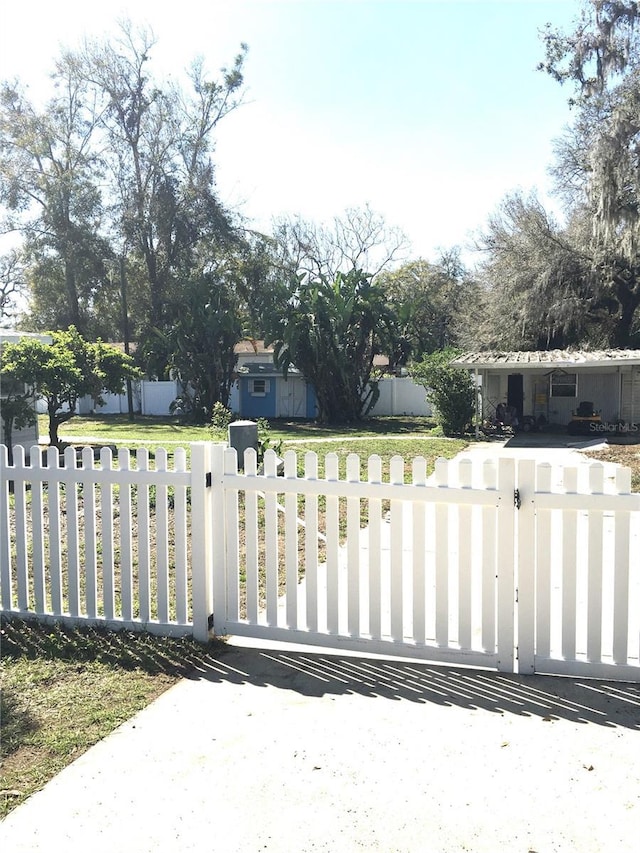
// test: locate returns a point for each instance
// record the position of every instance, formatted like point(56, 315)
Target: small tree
point(448, 388)
point(16, 408)
point(330, 330)
point(66, 370)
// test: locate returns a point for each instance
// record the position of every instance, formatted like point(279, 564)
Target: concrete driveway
point(284, 748)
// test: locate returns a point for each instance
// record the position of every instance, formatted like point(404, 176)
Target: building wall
point(257, 406)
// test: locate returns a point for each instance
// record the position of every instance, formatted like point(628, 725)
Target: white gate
point(517, 568)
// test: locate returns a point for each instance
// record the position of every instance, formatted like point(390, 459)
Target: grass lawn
point(114, 428)
point(65, 689)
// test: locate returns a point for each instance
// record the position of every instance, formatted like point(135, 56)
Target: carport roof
point(522, 360)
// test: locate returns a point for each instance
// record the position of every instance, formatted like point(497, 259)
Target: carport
point(549, 386)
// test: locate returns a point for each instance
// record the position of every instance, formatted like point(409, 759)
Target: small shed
point(265, 393)
point(550, 385)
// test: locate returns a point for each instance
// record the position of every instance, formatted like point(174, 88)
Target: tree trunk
point(54, 441)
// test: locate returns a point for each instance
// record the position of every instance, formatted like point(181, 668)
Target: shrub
point(449, 390)
point(221, 417)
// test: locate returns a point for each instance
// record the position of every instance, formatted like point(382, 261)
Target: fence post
point(526, 567)
point(201, 539)
point(505, 564)
point(217, 523)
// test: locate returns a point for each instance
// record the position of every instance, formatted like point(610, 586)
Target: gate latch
point(516, 498)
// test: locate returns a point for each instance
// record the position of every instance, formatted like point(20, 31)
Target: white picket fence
point(102, 541)
point(518, 567)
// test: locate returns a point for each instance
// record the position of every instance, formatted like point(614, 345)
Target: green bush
point(221, 417)
point(449, 390)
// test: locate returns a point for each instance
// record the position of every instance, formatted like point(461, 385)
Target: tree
point(159, 142)
point(202, 343)
point(448, 388)
point(601, 60)
point(360, 239)
point(541, 291)
point(49, 173)
point(11, 285)
point(426, 298)
point(16, 407)
point(331, 330)
point(66, 370)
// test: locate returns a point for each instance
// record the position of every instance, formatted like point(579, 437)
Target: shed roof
point(522, 360)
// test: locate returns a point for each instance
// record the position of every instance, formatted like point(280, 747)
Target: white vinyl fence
point(518, 567)
point(104, 540)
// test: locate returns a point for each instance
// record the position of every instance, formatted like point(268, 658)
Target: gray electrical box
point(242, 435)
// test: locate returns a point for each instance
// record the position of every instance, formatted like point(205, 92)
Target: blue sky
point(429, 111)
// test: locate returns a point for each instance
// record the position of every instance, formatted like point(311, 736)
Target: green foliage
point(201, 344)
point(66, 370)
point(16, 406)
point(331, 331)
point(266, 441)
point(449, 389)
point(221, 417)
point(426, 298)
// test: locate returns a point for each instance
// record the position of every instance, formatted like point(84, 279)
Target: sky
point(428, 111)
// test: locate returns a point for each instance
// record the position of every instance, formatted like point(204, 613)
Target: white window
point(259, 387)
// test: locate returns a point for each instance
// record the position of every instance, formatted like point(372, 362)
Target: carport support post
point(201, 555)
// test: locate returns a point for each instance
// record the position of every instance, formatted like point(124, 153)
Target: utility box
point(242, 435)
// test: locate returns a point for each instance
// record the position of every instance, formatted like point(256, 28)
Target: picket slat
point(333, 550)
point(106, 538)
point(180, 534)
point(374, 470)
point(353, 549)
point(144, 539)
point(38, 539)
point(311, 539)
point(126, 535)
point(488, 570)
point(251, 539)
point(271, 540)
point(465, 538)
point(90, 541)
point(6, 573)
point(569, 580)
point(291, 542)
point(396, 573)
point(162, 540)
point(441, 534)
point(419, 548)
point(594, 582)
point(73, 531)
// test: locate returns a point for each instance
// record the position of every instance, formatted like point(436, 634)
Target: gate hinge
point(516, 498)
point(207, 480)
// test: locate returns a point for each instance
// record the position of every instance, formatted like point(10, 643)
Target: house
point(550, 386)
point(28, 436)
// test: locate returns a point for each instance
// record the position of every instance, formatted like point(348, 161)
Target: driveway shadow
point(578, 700)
